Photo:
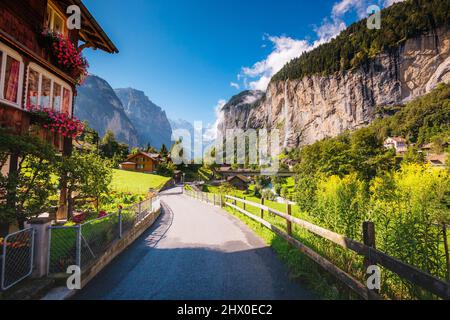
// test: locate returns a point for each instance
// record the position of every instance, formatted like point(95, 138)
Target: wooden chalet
point(142, 162)
point(29, 72)
point(239, 182)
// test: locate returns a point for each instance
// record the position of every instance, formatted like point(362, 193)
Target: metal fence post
point(78, 253)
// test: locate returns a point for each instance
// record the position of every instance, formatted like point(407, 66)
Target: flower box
point(56, 122)
point(64, 54)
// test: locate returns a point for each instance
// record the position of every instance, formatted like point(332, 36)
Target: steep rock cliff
point(98, 104)
point(150, 120)
point(315, 107)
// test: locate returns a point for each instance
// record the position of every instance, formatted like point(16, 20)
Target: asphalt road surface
point(195, 251)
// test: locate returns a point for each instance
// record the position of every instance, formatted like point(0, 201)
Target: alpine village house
point(142, 162)
point(33, 76)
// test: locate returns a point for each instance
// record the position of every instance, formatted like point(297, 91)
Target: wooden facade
point(27, 70)
point(21, 25)
point(142, 162)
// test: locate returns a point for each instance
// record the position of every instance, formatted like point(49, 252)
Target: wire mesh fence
point(17, 257)
point(83, 244)
point(96, 236)
point(132, 215)
point(63, 252)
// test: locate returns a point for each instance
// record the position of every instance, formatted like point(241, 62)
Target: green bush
point(268, 195)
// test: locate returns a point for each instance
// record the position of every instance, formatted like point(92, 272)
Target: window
point(57, 94)
point(46, 90)
point(55, 19)
point(67, 98)
point(11, 76)
point(33, 88)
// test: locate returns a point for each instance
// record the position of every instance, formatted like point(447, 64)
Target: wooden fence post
point(243, 205)
point(289, 224)
point(370, 241)
point(262, 210)
point(447, 258)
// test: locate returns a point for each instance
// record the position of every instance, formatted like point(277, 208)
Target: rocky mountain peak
point(150, 120)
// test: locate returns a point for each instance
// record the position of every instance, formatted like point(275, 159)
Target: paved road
point(194, 252)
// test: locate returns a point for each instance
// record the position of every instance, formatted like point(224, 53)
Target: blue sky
point(187, 55)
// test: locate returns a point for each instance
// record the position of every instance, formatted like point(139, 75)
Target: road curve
point(195, 252)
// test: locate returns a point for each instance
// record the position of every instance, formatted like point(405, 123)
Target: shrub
point(268, 195)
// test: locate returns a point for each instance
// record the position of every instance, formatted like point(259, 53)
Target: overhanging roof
point(91, 32)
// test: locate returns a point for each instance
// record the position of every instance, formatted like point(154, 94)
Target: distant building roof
point(240, 177)
point(397, 139)
point(436, 162)
point(153, 156)
point(224, 168)
point(82, 145)
point(427, 146)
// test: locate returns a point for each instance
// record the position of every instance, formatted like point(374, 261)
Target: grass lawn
point(135, 182)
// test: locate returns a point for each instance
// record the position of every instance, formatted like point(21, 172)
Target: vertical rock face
point(236, 113)
point(310, 109)
point(98, 104)
point(150, 121)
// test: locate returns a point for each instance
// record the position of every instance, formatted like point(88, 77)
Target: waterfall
point(287, 123)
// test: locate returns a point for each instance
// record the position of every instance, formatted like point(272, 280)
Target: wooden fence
point(367, 249)
point(371, 255)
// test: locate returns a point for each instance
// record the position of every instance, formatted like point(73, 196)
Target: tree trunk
point(21, 223)
point(13, 175)
point(70, 205)
point(4, 229)
point(64, 212)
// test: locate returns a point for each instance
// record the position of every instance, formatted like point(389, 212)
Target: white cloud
point(235, 85)
point(284, 50)
point(388, 3)
point(328, 30)
point(344, 6)
point(211, 130)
